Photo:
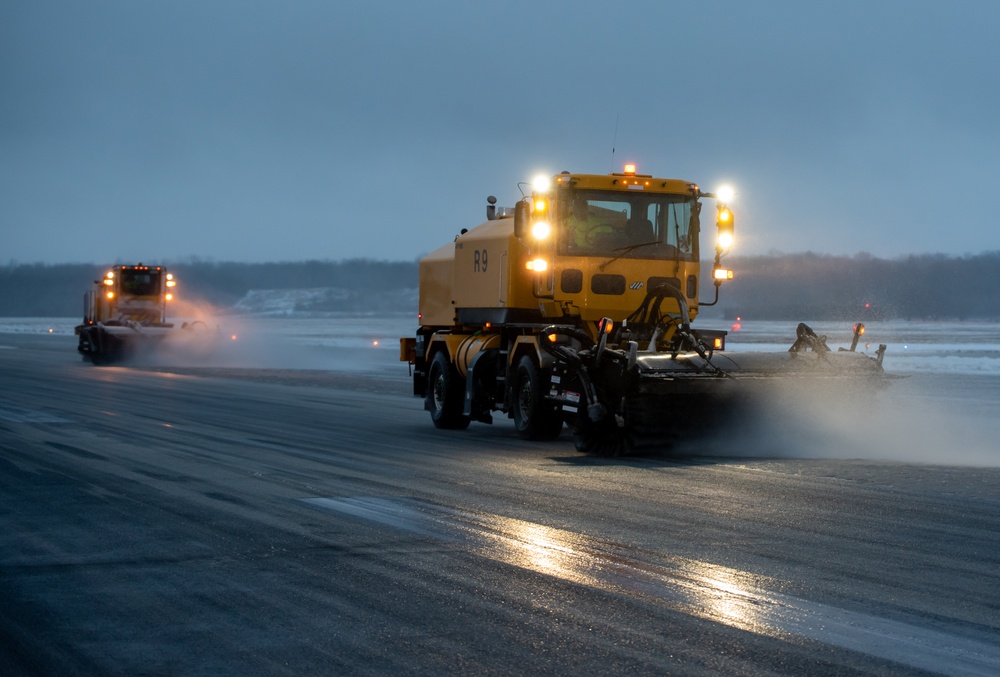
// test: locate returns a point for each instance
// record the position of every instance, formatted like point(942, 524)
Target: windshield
point(632, 225)
point(140, 282)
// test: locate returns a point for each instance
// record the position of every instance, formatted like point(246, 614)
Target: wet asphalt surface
point(239, 521)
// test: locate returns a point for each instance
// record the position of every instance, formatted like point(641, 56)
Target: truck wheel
point(445, 395)
point(534, 418)
point(89, 347)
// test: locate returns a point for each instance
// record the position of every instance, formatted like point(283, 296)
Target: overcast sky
point(285, 131)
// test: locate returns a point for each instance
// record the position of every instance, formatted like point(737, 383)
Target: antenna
point(613, 142)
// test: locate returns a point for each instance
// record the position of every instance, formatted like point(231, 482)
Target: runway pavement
point(200, 520)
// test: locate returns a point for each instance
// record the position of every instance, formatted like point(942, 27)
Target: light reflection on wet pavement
point(734, 598)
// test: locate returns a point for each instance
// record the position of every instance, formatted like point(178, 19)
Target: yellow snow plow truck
point(575, 307)
point(126, 312)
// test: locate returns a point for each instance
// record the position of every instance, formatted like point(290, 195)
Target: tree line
point(780, 286)
point(819, 287)
point(42, 290)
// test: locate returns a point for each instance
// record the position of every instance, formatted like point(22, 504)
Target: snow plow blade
point(619, 401)
point(109, 343)
point(758, 365)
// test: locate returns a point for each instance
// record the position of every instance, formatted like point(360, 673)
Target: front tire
point(445, 395)
point(603, 438)
point(534, 417)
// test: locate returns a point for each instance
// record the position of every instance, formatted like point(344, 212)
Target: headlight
point(541, 230)
point(537, 265)
point(725, 222)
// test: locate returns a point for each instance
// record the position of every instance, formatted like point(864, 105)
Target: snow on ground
point(914, 347)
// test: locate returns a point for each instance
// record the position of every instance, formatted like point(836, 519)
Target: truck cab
point(130, 294)
point(598, 244)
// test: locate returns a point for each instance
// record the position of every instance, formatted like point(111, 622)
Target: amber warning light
point(859, 331)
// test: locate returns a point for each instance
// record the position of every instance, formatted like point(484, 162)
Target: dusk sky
point(158, 131)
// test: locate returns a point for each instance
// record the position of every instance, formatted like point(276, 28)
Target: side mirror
point(522, 218)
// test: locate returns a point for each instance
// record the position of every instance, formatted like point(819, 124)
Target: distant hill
point(782, 287)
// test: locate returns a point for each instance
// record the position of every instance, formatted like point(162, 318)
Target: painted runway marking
point(725, 595)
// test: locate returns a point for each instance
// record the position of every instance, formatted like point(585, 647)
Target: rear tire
point(445, 395)
point(534, 417)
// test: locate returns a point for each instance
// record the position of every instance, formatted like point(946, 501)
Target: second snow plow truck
point(125, 313)
point(575, 308)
